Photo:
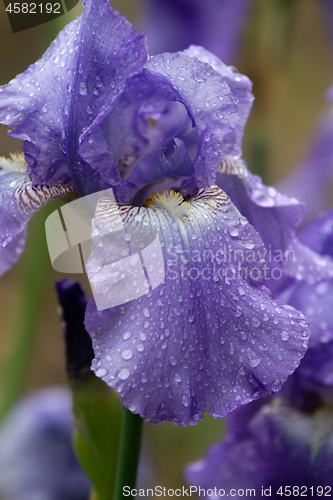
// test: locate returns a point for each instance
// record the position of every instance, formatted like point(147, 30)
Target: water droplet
point(127, 335)
point(177, 377)
point(132, 407)
point(173, 360)
point(127, 354)
point(123, 374)
point(146, 312)
point(276, 385)
point(83, 88)
point(285, 336)
point(249, 244)
point(304, 324)
point(233, 231)
point(98, 82)
point(255, 322)
point(101, 372)
point(142, 336)
point(255, 362)
point(185, 401)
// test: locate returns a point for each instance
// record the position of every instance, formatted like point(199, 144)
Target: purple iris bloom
point(36, 456)
point(316, 369)
point(312, 180)
point(94, 113)
point(217, 25)
point(274, 447)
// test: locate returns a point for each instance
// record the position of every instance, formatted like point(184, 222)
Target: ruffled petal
point(55, 103)
point(241, 87)
point(211, 105)
point(276, 217)
point(19, 201)
point(315, 301)
point(284, 448)
point(210, 337)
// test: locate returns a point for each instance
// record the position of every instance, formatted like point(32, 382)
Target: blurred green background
point(287, 54)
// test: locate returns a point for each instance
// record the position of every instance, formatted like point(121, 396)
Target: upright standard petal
point(208, 99)
point(210, 337)
point(176, 97)
point(54, 104)
point(241, 87)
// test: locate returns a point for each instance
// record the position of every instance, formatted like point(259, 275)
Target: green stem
point(129, 452)
point(29, 295)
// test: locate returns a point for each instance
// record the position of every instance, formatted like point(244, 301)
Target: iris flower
point(274, 449)
point(287, 439)
point(173, 25)
point(36, 454)
point(311, 181)
point(95, 113)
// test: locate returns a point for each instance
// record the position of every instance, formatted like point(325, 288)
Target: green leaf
point(97, 415)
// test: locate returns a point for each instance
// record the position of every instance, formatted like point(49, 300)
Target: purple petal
point(315, 301)
point(208, 100)
point(328, 14)
point(210, 337)
point(317, 366)
point(155, 166)
point(240, 86)
point(311, 180)
point(318, 234)
point(57, 101)
point(19, 201)
point(36, 456)
point(173, 25)
point(283, 447)
point(12, 252)
point(79, 351)
point(276, 217)
point(142, 121)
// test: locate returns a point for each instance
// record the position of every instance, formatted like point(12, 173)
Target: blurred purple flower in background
point(275, 447)
point(312, 180)
point(37, 461)
point(287, 441)
point(94, 113)
point(217, 25)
